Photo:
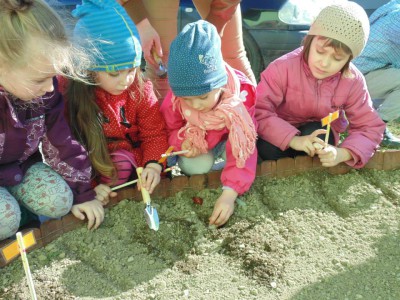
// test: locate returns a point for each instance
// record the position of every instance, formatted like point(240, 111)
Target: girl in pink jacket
point(299, 89)
point(209, 113)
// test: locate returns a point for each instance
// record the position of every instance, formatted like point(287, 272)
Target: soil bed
point(313, 236)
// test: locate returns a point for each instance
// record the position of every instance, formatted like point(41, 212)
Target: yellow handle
point(145, 193)
point(156, 57)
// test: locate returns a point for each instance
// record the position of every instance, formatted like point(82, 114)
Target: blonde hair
point(329, 42)
point(22, 22)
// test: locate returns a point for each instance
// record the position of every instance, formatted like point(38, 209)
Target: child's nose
point(196, 105)
point(325, 61)
point(48, 86)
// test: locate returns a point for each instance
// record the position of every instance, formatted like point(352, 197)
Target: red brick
point(114, 200)
point(285, 167)
point(391, 160)
point(339, 169)
point(162, 189)
point(258, 170)
point(38, 236)
point(376, 161)
point(178, 183)
point(51, 230)
point(127, 193)
point(214, 179)
point(70, 222)
point(316, 162)
point(198, 182)
point(268, 168)
point(303, 163)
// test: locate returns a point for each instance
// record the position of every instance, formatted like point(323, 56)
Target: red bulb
point(197, 200)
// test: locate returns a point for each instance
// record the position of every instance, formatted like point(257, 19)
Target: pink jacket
point(239, 179)
point(288, 96)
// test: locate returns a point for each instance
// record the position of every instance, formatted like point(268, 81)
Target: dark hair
point(335, 44)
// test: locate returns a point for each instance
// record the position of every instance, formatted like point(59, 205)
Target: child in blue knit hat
point(117, 117)
point(210, 113)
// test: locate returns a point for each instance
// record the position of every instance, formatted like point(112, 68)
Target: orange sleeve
point(136, 10)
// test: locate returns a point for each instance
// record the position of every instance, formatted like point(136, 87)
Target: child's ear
point(92, 77)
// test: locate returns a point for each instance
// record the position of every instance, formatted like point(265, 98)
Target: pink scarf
point(230, 112)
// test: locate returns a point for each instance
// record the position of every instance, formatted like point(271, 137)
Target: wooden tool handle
point(145, 193)
point(156, 57)
point(174, 153)
point(124, 185)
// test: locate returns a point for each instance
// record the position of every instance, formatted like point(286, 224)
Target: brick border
point(50, 230)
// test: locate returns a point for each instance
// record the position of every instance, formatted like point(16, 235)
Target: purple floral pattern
point(2, 140)
point(35, 129)
point(68, 172)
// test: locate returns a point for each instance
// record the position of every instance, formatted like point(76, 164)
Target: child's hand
point(223, 208)
point(93, 210)
point(331, 156)
point(103, 193)
point(151, 177)
point(193, 151)
point(305, 143)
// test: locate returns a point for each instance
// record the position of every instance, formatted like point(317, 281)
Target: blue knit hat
point(195, 64)
point(109, 35)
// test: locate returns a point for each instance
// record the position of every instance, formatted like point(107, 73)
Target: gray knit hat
point(346, 22)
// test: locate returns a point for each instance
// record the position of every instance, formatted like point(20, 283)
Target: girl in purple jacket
point(210, 114)
point(299, 89)
point(42, 168)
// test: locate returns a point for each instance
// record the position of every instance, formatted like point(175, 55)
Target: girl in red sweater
point(117, 116)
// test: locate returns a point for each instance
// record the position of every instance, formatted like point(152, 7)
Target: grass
point(394, 127)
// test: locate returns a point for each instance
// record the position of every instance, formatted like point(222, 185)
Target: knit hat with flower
point(109, 35)
point(345, 22)
point(195, 63)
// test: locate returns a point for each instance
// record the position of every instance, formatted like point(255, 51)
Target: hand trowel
point(150, 213)
point(162, 69)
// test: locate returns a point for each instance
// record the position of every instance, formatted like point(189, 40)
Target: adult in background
point(380, 63)
point(156, 21)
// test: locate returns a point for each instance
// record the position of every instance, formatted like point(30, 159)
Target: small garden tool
point(162, 70)
point(150, 213)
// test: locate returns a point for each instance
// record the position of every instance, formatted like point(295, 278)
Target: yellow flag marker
point(165, 155)
point(11, 250)
point(327, 121)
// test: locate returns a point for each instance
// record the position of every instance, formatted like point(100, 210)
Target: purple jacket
point(288, 96)
point(23, 126)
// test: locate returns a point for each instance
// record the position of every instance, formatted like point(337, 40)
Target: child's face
point(204, 103)
point(116, 82)
point(30, 81)
point(325, 61)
